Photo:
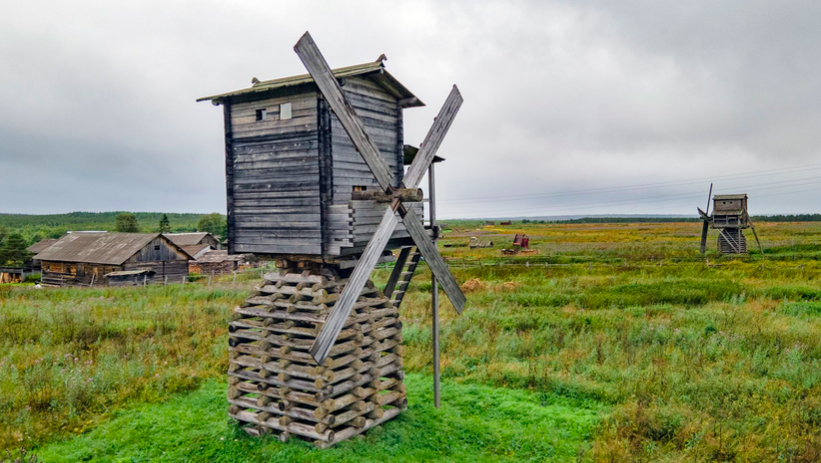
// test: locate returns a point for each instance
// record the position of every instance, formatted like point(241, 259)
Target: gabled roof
point(219, 256)
point(374, 70)
point(97, 247)
point(196, 250)
point(41, 245)
point(726, 197)
point(187, 239)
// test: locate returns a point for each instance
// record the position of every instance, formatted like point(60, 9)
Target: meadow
point(616, 342)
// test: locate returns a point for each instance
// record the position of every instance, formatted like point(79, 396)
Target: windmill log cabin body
point(316, 181)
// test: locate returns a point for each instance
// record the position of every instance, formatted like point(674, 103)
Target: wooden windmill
point(316, 181)
point(729, 217)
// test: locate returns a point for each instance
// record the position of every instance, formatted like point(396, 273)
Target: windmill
point(729, 217)
point(315, 180)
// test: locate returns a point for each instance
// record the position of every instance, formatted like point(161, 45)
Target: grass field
point(617, 342)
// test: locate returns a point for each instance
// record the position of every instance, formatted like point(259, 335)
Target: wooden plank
point(433, 139)
point(361, 273)
point(323, 77)
point(434, 260)
point(285, 249)
point(229, 174)
point(398, 267)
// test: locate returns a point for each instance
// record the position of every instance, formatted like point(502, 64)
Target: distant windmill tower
point(729, 217)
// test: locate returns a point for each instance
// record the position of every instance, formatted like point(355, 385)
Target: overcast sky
point(628, 107)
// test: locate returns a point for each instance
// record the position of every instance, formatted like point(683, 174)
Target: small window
point(261, 113)
point(285, 111)
point(156, 247)
point(359, 188)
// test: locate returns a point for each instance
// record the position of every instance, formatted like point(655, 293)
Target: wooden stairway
point(402, 274)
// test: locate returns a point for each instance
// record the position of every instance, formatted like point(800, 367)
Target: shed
point(194, 239)
point(84, 259)
point(295, 183)
point(37, 248)
point(130, 277)
point(217, 262)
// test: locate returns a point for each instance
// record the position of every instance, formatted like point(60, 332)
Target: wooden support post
point(234, 281)
point(434, 294)
point(145, 280)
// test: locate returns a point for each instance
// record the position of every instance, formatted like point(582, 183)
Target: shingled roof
point(96, 247)
point(186, 239)
point(41, 245)
point(374, 70)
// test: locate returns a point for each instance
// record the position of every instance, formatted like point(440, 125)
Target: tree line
point(19, 231)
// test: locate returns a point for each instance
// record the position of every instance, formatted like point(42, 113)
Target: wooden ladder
point(402, 274)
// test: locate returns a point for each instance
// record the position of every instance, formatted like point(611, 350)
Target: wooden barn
point(196, 244)
point(100, 258)
point(296, 184)
point(217, 262)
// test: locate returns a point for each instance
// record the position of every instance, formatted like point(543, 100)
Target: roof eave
point(382, 77)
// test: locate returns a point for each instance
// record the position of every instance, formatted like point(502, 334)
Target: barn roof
point(196, 250)
point(96, 247)
point(374, 70)
point(41, 245)
point(219, 256)
point(186, 239)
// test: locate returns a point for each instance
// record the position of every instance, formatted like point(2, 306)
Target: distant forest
point(34, 228)
point(756, 218)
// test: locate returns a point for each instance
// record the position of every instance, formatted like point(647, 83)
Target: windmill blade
point(703, 214)
point(433, 139)
point(329, 87)
point(359, 277)
point(709, 197)
point(704, 229)
point(434, 260)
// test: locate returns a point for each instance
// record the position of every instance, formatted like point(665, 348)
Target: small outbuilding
point(196, 244)
point(217, 263)
point(89, 258)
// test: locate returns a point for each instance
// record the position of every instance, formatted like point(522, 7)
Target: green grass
point(647, 351)
point(475, 423)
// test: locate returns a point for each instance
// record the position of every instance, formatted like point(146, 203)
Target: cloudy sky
point(629, 107)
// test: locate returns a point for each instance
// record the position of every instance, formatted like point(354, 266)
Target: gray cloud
point(98, 98)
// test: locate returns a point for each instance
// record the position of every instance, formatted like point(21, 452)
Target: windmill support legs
point(434, 294)
point(732, 241)
point(276, 386)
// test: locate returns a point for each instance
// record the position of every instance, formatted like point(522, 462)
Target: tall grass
point(67, 356)
point(699, 363)
point(695, 360)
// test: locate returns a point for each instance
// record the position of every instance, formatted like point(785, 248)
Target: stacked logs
point(275, 386)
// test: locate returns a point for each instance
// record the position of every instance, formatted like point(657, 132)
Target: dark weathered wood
point(434, 292)
point(433, 139)
point(704, 229)
point(398, 267)
point(361, 273)
point(434, 260)
point(229, 174)
point(323, 76)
